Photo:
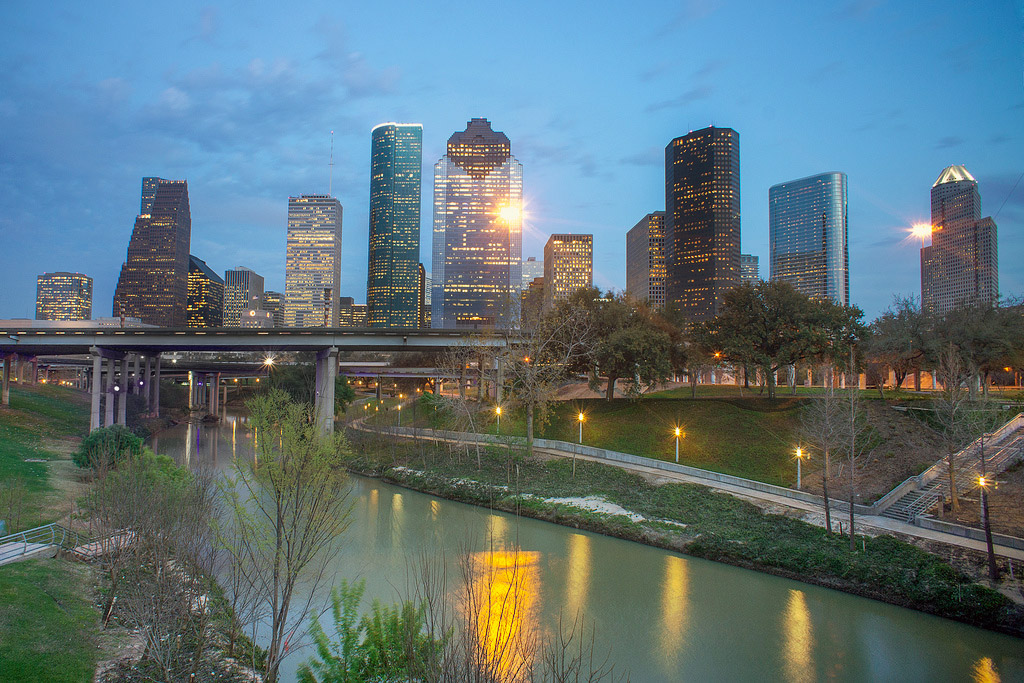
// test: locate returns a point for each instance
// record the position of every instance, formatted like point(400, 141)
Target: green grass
point(36, 414)
point(747, 437)
point(718, 526)
point(49, 626)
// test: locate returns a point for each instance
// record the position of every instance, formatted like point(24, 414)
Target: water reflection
point(577, 579)
point(503, 606)
point(674, 613)
point(799, 639)
point(985, 671)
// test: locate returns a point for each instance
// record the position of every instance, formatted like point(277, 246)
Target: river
point(659, 615)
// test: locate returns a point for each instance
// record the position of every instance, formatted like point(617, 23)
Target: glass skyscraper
point(153, 284)
point(702, 220)
point(568, 267)
point(63, 296)
point(241, 285)
point(205, 295)
point(396, 167)
point(961, 266)
point(477, 246)
point(807, 236)
point(312, 271)
point(645, 260)
point(750, 269)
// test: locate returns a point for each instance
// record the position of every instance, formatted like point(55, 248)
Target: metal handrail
point(41, 536)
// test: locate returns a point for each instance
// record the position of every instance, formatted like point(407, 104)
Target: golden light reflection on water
point(675, 615)
point(502, 603)
point(497, 530)
point(435, 509)
point(234, 427)
point(577, 579)
point(189, 435)
point(797, 656)
point(985, 671)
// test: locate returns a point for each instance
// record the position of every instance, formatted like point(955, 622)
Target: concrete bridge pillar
point(155, 385)
point(108, 402)
point(215, 394)
point(145, 385)
point(326, 374)
point(34, 370)
point(191, 390)
point(6, 400)
point(134, 384)
point(97, 374)
point(122, 395)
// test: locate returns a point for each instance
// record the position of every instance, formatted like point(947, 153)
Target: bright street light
point(268, 361)
point(679, 433)
point(799, 457)
point(581, 418)
point(497, 411)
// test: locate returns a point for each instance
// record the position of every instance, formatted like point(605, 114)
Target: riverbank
point(692, 520)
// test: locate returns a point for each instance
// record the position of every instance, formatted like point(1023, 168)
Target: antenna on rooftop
point(330, 173)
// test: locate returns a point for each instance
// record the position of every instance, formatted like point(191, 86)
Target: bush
point(104, 447)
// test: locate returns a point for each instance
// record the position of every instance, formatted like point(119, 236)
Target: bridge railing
point(31, 540)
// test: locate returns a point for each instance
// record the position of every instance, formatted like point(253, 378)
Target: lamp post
point(580, 418)
point(497, 411)
point(993, 568)
point(399, 414)
point(799, 457)
point(679, 433)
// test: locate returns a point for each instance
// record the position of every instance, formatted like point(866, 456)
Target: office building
point(702, 220)
point(532, 269)
point(274, 302)
point(205, 295)
point(312, 271)
point(477, 244)
point(750, 269)
point(568, 267)
point(241, 286)
point(645, 260)
point(257, 319)
point(351, 314)
point(63, 296)
point(153, 284)
point(807, 236)
point(961, 266)
point(421, 297)
point(392, 284)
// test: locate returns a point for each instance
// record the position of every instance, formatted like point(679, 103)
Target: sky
point(240, 99)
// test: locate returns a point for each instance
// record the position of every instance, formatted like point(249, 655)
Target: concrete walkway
point(877, 523)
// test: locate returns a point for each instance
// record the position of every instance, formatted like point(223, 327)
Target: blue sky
point(240, 100)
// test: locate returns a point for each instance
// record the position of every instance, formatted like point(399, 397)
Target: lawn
point(747, 437)
point(36, 415)
point(48, 622)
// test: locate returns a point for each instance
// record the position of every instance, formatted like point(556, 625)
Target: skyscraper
point(205, 295)
point(63, 296)
point(477, 246)
point(153, 285)
point(532, 269)
point(241, 285)
point(645, 260)
point(807, 236)
point(750, 269)
point(274, 302)
point(702, 220)
point(961, 266)
point(568, 267)
point(396, 166)
point(313, 261)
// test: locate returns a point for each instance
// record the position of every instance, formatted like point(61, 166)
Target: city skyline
point(248, 123)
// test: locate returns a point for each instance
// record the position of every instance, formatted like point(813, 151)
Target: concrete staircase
point(1001, 449)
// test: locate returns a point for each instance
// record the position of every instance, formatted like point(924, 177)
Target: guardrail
point(34, 540)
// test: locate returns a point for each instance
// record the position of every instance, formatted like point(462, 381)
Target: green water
point(657, 615)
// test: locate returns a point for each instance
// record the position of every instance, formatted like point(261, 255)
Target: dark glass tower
point(153, 285)
point(477, 246)
point(808, 236)
point(205, 295)
point(702, 220)
point(396, 168)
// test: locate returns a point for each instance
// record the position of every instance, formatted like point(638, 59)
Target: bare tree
point(290, 505)
point(856, 435)
point(952, 411)
point(823, 425)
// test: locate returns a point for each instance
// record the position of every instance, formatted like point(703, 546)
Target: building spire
point(330, 172)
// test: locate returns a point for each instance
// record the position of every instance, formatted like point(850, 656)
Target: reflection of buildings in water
point(502, 607)
point(985, 671)
point(577, 579)
point(435, 509)
point(497, 532)
point(189, 431)
point(234, 443)
point(675, 614)
point(397, 519)
point(798, 658)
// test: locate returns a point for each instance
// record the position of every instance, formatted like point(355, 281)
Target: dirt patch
point(906, 447)
point(1005, 504)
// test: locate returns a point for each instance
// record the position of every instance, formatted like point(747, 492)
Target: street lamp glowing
point(679, 433)
point(497, 411)
point(921, 231)
point(580, 418)
point(982, 482)
point(799, 457)
point(268, 361)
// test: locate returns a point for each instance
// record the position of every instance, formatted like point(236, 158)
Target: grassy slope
point(48, 625)
point(748, 437)
point(47, 622)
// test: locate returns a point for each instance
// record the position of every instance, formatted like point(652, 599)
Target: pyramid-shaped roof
point(954, 174)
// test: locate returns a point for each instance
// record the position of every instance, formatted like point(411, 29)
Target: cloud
point(359, 78)
point(207, 24)
point(694, 94)
point(949, 141)
point(652, 156)
point(692, 11)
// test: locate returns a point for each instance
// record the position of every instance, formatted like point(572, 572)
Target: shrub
point(104, 447)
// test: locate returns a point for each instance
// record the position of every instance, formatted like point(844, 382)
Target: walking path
point(875, 522)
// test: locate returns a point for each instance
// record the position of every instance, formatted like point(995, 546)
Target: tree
point(822, 424)
point(898, 339)
point(988, 337)
point(103, 448)
point(289, 507)
point(952, 411)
